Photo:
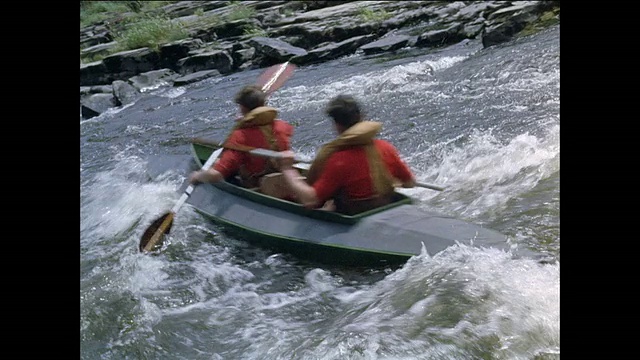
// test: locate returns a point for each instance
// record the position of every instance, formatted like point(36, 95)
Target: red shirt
point(230, 161)
point(349, 170)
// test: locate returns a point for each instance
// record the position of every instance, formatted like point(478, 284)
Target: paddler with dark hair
point(258, 128)
point(356, 170)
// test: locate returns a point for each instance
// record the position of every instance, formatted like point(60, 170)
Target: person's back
point(347, 178)
point(254, 137)
point(257, 128)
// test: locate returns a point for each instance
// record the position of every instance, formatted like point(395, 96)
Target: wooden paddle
point(272, 79)
point(275, 154)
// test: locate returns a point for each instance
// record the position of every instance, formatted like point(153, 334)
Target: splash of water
point(461, 296)
point(482, 173)
point(117, 200)
point(406, 78)
point(109, 113)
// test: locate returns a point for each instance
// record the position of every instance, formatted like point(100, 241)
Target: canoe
point(388, 235)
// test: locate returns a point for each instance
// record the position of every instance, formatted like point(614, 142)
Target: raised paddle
point(275, 155)
point(272, 79)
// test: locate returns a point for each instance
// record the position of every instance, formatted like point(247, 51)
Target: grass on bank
point(146, 31)
point(93, 12)
point(545, 20)
point(151, 32)
point(139, 28)
point(376, 16)
point(142, 28)
point(240, 11)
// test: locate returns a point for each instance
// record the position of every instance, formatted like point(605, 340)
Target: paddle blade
point(154, 234)
point(275, 76)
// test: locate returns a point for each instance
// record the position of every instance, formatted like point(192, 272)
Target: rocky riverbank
point(303, 32)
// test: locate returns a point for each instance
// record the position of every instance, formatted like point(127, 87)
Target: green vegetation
point(549, 18)
point(138, 28)
point(239, 12)
point(135, 24)
point(252, 30)
point(288, 12)
point(377, 16)
point(151, 32)
point(545, 20)
point(145, 31)
point(92, 58)
point(93, 12)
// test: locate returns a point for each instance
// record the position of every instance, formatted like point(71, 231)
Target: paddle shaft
point(429, 186)
point(248, 149)
point(277, 155)
point(190, 188)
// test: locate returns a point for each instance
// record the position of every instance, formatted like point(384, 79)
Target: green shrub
point(92, 12)
point(545, 20)
point(150, 32)
point(366, 14)
point(251, 30)
point(240, 12)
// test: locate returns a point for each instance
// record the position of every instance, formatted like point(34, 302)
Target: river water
point(485, 123)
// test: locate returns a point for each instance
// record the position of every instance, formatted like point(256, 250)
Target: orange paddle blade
point(275, 76)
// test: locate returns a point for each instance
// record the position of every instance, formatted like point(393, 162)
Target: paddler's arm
point(400, 171)
point(228, 164)
point(305, 193)
point(205, 176)
point(409, 183)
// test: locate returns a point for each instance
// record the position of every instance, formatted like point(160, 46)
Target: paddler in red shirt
point(259, 128)
point(356, 170)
